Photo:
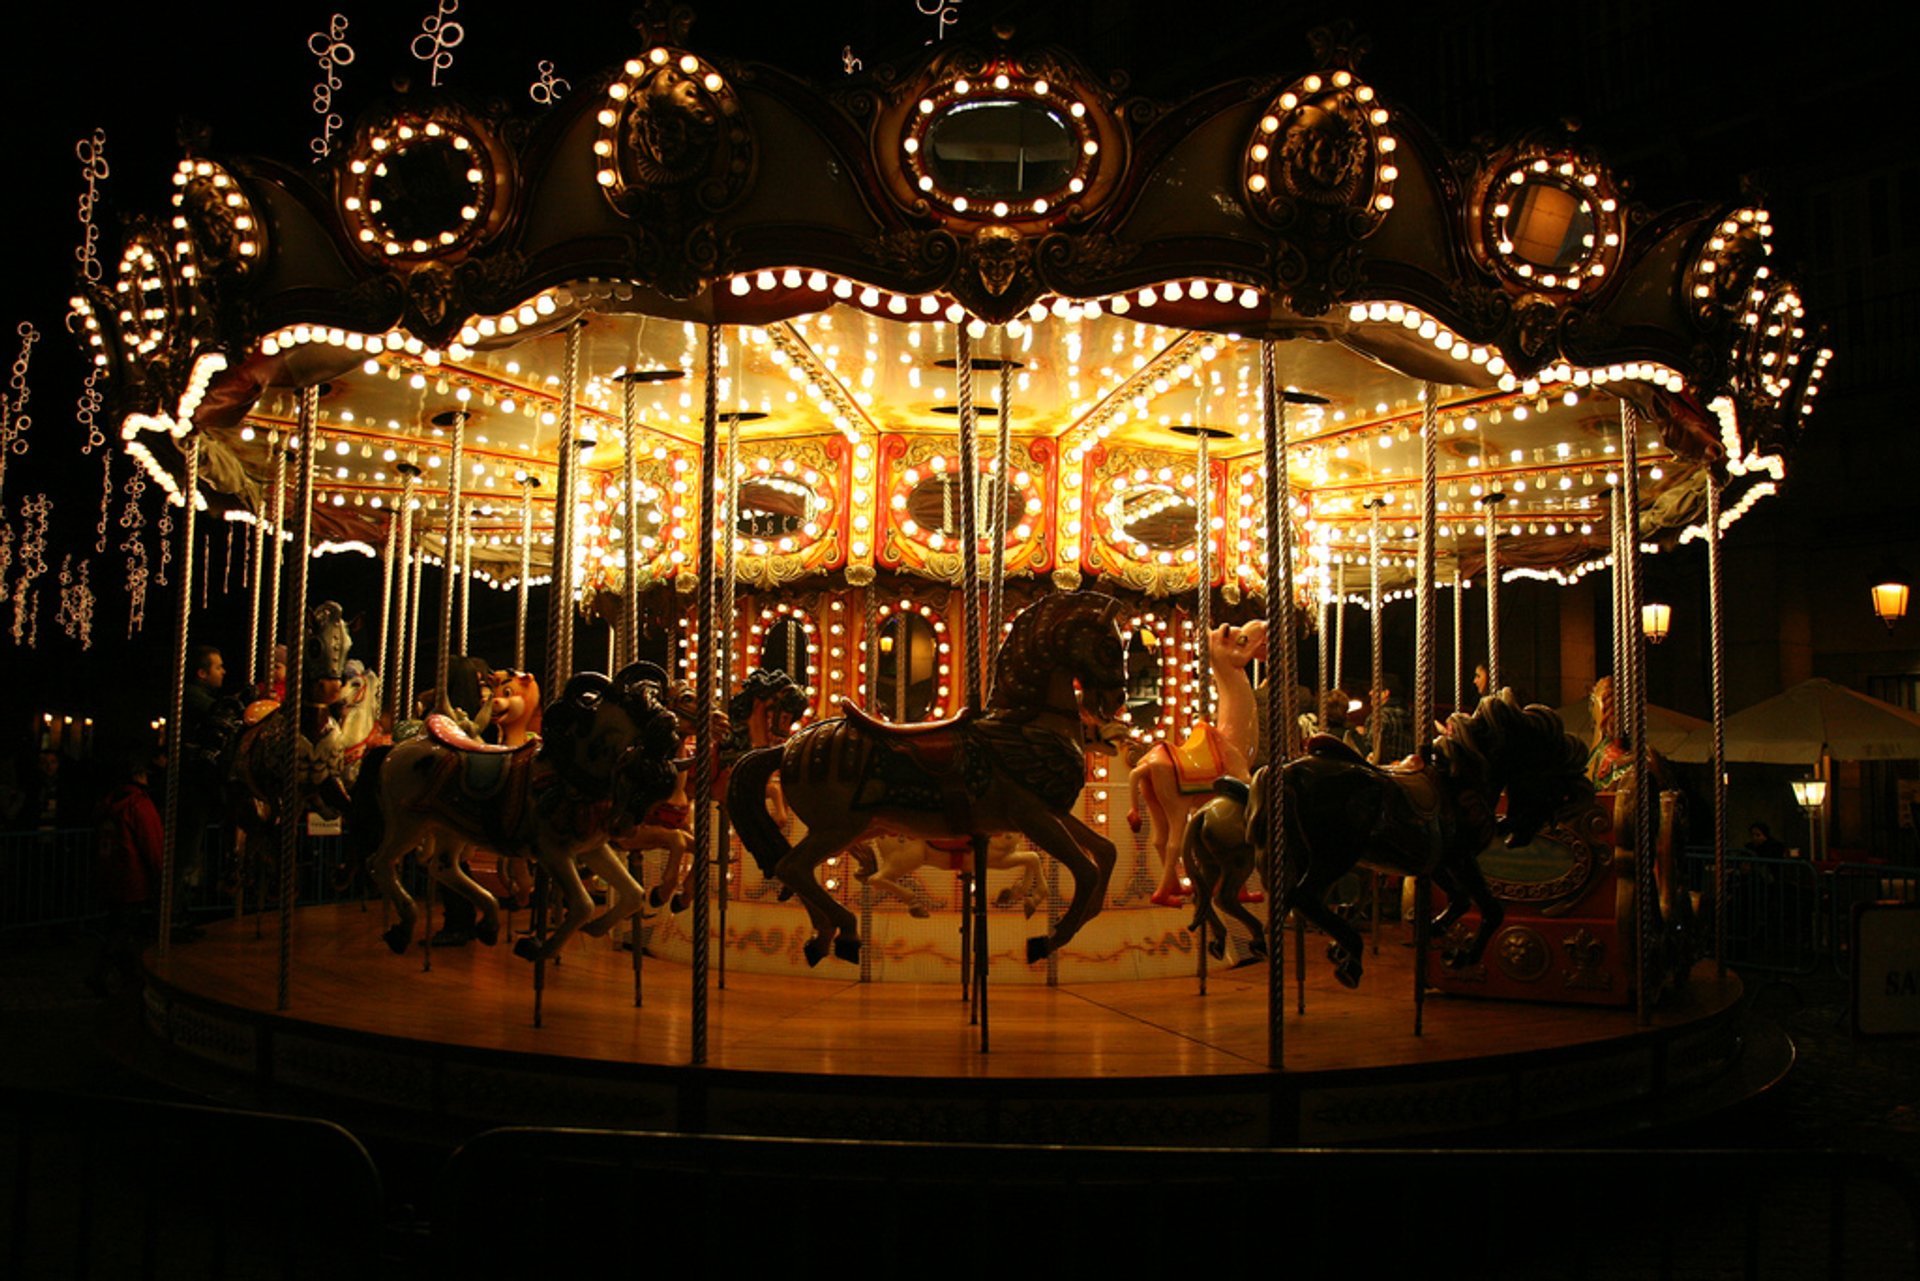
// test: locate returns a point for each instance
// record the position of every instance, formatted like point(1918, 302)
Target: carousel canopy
point(1115, 264)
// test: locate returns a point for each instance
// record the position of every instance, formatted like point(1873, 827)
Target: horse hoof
point(786, 892)
point(1004, 898)
point(919, 912)
point(847, 949)
point(1031, 907)
point(1337, 954)
point(1217, 949)
point(1168, 898)
point(815, 951)
point(526, 949)
point(488, 932)
point(397, 937)
point(1252, 896)
point(1037, 949)
point(1349, 975)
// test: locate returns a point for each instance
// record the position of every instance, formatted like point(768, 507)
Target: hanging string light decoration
point(76, 601)
point(91, 152)
point(438, 37)
point(6, 555)
point(164, 528)
point(547, 88)
point(14, 420)
point(106, 500)
point(34, 514)
point(134, 521)
point(331, 49)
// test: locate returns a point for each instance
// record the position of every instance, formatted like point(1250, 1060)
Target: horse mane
point(1503, 737)
point(1050, 612)
point(765, 683)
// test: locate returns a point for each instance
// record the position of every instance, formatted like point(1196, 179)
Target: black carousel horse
point(1428, 818)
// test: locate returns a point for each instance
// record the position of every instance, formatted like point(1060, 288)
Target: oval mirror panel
point(1000, 150)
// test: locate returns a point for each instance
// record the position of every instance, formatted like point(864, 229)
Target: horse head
point(328, 640)
point(1076, 633)
point(643, 773)
point(1530, 756)
point(768, 705)
point(1235, 647)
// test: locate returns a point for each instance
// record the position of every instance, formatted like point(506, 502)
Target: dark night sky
point(1683, 101)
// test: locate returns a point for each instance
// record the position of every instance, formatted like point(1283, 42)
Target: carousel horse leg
point(605, 862)
point(1473, 885)
point(563, 871)
point(834, 926)
point(448, 872)
point(398, 841)
point(1308, 897)
point(1088, 857)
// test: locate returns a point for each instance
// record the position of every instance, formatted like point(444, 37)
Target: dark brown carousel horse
point(1059, 683)
point(1430, 816)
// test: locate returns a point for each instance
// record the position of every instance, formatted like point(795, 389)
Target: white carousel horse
point(884, 858)
point(1176, 781)
point(1059, 681)
point(560, 800)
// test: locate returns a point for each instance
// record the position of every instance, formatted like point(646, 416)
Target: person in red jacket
point(130, 845)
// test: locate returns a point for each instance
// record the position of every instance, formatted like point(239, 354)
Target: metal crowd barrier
point(1772, 911)
point(107, 1187)
point(815, 1205)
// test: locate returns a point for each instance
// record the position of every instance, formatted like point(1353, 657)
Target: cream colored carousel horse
point(885, 858)
point(1175, 780)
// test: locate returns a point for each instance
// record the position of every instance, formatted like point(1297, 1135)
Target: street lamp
point(1811, 794)
point(1890, 602)
point(1655, 620)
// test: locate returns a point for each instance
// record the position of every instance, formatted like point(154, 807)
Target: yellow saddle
point(1199, 760)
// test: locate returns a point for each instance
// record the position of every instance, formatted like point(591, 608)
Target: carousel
point(946, 491)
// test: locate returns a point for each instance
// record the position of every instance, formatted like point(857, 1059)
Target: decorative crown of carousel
point(539, 284)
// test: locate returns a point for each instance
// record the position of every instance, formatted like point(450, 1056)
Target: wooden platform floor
point(343, 977)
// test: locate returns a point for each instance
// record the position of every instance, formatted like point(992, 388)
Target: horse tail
point(366, 826)
point(868, 861)
point(747, 808)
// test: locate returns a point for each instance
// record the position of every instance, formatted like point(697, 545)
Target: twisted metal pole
point(450, 564)
point(258, 536)
point(1203, 559)
point(278, 448)
point(1424, 673)
point(1716, 643)
point(1376, 637)
point(630, 586)
point(176, 759)
point(1002, 494)
point(292, 806)
point(1340, 625)
point(1459, 637)
point(976, 651)
point(559, 605)
point(728, 638)
point(704, 745)
point(387, 568)
point(524, 587)
point(1643, 834)
point(406, 641)
point(1491, 505)
point(1279, 692)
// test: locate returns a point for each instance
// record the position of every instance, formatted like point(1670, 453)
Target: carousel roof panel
point(1125, 257)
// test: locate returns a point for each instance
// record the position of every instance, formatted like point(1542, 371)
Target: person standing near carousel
point(198, 751)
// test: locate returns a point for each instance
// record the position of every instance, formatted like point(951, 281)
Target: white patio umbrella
point(1666, 728)
point(1813, 719)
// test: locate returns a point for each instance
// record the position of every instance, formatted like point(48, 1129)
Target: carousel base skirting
point(1145, 1062)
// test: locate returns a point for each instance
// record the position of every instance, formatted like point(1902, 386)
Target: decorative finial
point(1338, 44)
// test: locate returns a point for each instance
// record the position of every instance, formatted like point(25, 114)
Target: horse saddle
point(922, 765)
point(445, 731)
point(486, 791)
point(934, 746)
point(1199, 760)
point(1416, 781)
